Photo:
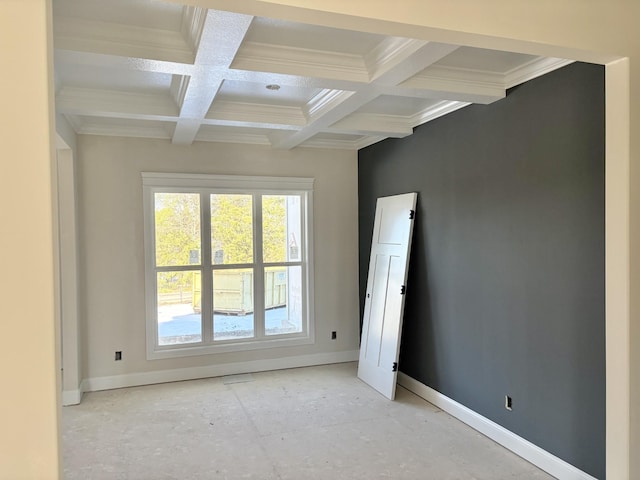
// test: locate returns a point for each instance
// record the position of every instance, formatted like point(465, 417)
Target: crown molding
point(76, 121)
point(366, 141)
point(257, 56)
point(372, 124)
point(354, 145)
point(254, 113)
point(209, 135)
point(137, 131)
point(178, 88)
point(436, 111)
point(121, 40)
point(330, 143)
point(192, 25)
point(484, 83)
point(88, 101)
point(536, 68)
point(393, 126)
point(470, 75)
point(447, 83)
point(389, 52)
point(325, 101)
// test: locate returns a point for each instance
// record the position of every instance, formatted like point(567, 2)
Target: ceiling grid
point(146, 68)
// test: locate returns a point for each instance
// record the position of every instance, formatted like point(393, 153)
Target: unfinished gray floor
point(307, 423)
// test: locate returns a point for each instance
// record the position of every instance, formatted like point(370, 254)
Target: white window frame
point(233, 184)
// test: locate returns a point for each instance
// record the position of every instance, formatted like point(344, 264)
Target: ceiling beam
point(406, 59)
point(221, 37)
point(95, 36)
point(94, 126)
point(68, 57)
point(255, 115)
point(372, 124)
point(323, 120)
point(210, 47)
point(114, 104)
point(401, 63)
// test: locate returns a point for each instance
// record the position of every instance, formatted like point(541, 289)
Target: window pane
point(231, 229)
point(283, 300)
point(281, 223)
point(233, 304)
point(177, 222)
point(178, 297)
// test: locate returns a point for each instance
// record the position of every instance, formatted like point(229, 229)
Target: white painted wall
point(66, 255)
point(110, 235)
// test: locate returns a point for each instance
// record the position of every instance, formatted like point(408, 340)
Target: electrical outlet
point(334, 335)
point(508, 403)
point(118, 356)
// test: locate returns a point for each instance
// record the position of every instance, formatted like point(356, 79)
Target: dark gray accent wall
point(505, 293)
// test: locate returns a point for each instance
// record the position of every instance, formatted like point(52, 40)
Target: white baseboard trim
point(518, 445)
point(73, 397)
point(179, 374)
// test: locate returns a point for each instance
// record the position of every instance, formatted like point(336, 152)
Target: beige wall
point(28, 360)
point(112, 255)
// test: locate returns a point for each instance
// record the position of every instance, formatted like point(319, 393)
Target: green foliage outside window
point(177, 230)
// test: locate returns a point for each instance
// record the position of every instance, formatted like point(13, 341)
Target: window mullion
point(207, 276)
point(258, 270)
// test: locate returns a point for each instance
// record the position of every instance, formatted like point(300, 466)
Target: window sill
point(158, 353)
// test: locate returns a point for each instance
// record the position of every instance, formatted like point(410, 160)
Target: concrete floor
point(307, 423)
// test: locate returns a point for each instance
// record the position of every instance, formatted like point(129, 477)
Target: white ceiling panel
point(469, 58)
point(312, 37)
point(143, 13)
point(163, 70)
point(252, 92)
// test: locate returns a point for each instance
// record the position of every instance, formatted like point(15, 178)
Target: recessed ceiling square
point(252, 92)
point(469, 58)
point(144, 13)
point(312, 37)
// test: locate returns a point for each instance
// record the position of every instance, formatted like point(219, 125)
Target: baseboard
point(179, 374)
point(73, 397)
point(518, 445)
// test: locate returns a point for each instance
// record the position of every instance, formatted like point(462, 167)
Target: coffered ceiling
point(144, 68)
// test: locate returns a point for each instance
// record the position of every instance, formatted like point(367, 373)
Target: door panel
point(384, 302)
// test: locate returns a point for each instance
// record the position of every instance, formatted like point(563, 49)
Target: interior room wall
point(506, 290)
point(110, 220)
point(602, 30)
point(29, 360)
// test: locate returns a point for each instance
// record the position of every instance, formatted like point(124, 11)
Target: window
point(227, 263)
